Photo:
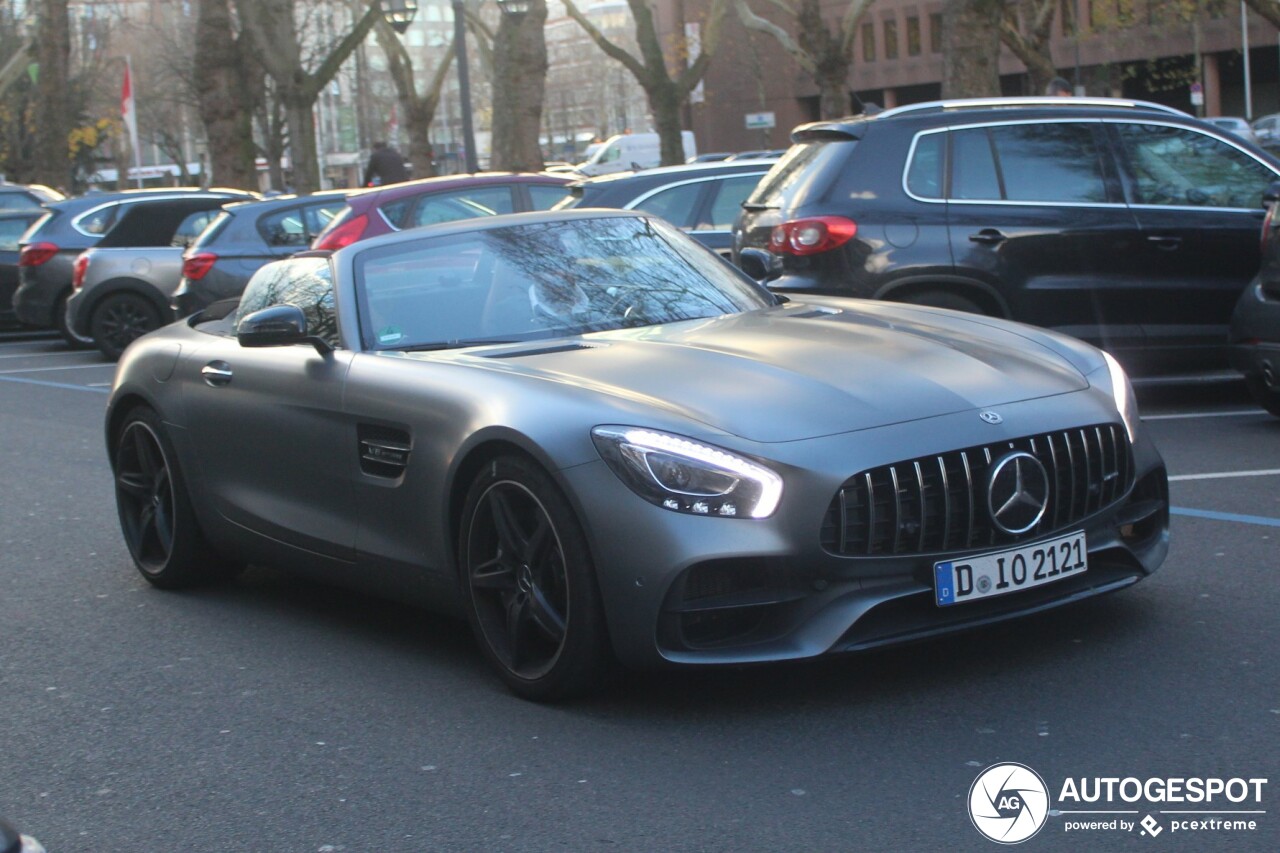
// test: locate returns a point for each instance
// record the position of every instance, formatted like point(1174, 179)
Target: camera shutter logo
point(1008, 803)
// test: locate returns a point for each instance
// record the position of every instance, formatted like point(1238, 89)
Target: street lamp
point(464, 87)
point(399, 14)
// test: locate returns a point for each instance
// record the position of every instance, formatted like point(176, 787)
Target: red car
point(395, 207)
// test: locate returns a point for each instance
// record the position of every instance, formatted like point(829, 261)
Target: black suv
point(1128, 224)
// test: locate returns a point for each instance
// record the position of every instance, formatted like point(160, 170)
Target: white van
point(632, 151)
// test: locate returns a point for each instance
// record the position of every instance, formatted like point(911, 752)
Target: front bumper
point(697, 590)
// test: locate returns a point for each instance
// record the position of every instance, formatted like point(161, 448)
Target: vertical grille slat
point(939, 503)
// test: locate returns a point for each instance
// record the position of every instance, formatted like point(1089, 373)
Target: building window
point(913, 36)
point(868, 43)
point(891, 39)
point(935, 32)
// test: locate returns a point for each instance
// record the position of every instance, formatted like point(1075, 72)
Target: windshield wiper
point(460, 344)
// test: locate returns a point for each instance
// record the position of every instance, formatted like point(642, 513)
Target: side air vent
point(384, 451)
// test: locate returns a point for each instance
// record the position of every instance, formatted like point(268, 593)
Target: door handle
point(990, 236)
point(216, 373)
point(1165, 242)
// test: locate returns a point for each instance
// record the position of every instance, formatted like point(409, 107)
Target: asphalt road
point(277, 715)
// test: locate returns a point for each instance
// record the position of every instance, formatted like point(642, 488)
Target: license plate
point(1001, 572)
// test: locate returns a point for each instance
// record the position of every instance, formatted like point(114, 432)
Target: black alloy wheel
point(119, 320)
point(530, 584)
point(156, 517)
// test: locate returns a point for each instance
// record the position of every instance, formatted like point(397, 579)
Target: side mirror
point(758, 264)
point(1271, 194)
point(278, 326)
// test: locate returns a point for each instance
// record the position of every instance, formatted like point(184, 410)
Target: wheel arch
point(124, 284)
point(980, 292)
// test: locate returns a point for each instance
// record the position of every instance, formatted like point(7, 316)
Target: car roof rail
point(1041, 101)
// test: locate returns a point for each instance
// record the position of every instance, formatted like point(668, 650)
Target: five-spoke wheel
point(529, 582)
point(156, 517)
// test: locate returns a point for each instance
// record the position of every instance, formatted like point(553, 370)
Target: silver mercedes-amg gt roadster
point(602, 443)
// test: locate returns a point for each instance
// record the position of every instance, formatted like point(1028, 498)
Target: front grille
point(939, 503)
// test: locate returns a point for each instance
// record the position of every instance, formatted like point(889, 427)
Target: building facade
point(1127, 48)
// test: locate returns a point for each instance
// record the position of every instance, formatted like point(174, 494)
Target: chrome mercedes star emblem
point(991, 417)
point(1017, 492)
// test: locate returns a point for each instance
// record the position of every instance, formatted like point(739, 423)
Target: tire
point(120, 319)
point(530, 585)
point(60, 323)
point(944, 299)
point(1267, 398)
point(156, 516)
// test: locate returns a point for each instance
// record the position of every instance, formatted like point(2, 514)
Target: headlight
point(684, 476)
point(1122, 393)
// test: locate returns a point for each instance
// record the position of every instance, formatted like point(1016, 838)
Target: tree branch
point(752, 21)
point(633, 65)
point(849, 25)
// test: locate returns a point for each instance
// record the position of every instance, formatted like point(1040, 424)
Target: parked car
point(123, 286)
point(703, 199)
point(50, 248)
point(760, 154)
point(1235, 125)
point(596, 439)
point(1130, 225)
point(709, 157)
point(429, 201)
point(1267, 130)
point(243, 238)
point(26, 196)
point(13, 225)
point(1255, 324)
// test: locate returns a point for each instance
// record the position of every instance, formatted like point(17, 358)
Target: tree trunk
point(222, 88)
point(520, 76)
point(419, 114)
point(664, 101)
point(971, 48)
point(833, 91)
point(55, 118)
point(304, 160)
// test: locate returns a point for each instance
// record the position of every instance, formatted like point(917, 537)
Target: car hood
point(802, 371)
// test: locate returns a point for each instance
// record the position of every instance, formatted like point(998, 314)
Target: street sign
point(1197, 95)
point(760, 121)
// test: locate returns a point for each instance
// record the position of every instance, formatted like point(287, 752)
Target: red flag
point(129, 112)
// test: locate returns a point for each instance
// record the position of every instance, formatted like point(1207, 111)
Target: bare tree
point(519, 84)
point(419, 110)
point(823, 52)
point(666, 93)
point(971, 48)
point(1026, 30)
point(273, 30)
point(226, 95)
point(56, 117)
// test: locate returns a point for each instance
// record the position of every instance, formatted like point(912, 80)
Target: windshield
point(542, 280)
point(793, 174)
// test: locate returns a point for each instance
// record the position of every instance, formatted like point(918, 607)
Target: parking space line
point(44, 383)
point(1188, 415)
point(1225, 516)
point(45, 354)
point(1227, 475)
point(61, 367)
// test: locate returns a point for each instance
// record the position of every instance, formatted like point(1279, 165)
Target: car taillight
point(36, 254)
point(344, 235)
point(811, 236)
point(196, 266)
point(78, 269)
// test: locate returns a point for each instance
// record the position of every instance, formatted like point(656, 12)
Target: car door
point(1035, 210)
point(1198, 200)
point(275, 449)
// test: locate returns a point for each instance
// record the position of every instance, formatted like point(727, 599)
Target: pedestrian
point(1059, 88)
point(386, 164)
